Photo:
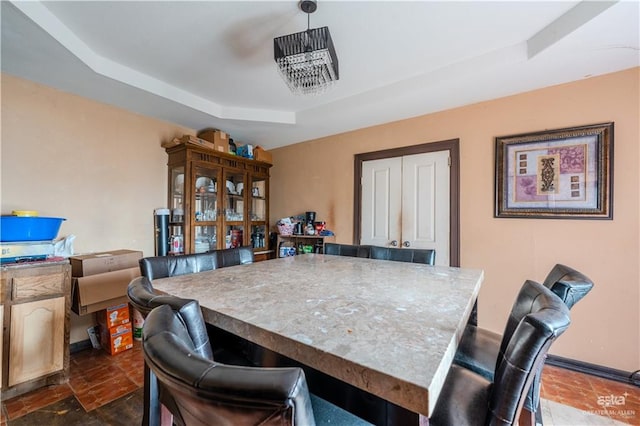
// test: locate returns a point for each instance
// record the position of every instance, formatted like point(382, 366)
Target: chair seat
point(464, 399)
point(325, 413)
point(478, 351)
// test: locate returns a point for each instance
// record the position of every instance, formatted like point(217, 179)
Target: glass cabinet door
point(176, 204)
point(205, 209)
point(234, 196)
point(258, 212)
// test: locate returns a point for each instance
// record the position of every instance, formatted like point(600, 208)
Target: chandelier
point(307, 60)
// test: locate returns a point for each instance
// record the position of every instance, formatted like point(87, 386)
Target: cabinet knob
point(406, 244)
point(394, 243)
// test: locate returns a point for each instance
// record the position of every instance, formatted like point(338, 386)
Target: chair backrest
point(347, 250)
point(234, 256)
point(199, 391)
point(426, 256)
point(568, 284)
point(524, 304)
point(144, 299)
point(169, 266)
point(524, 352)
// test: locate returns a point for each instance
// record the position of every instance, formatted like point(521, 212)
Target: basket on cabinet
point(286, 229)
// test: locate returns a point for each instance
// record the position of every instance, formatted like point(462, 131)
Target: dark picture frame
point(555, 174)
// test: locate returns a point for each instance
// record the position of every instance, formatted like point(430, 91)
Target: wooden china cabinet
point(217, 201)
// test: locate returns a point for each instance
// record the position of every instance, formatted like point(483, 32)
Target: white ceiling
point(210, 63)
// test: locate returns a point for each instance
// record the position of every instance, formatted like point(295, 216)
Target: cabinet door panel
point(205, 209)
point(36, 339)
point(381, 201)
point(425, 203)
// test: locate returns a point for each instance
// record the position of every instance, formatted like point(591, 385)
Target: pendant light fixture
point(307, 60)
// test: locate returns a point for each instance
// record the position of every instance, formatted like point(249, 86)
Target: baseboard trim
point(80, 346)
point(631, 378)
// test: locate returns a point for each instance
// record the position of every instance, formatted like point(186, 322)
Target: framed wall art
point(559, 174)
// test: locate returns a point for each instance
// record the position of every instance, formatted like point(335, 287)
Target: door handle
point(406, 244)
point(394, 243)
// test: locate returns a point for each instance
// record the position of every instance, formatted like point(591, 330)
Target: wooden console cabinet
point(35, 322)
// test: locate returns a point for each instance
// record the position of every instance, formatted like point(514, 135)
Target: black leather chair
point(479, 348)
point(570, 285)
point(426, 256)
point(347, 250)
point(470, 399)
point(234, 256)
point(199, 391)
point(169, 266)
point(142, 297)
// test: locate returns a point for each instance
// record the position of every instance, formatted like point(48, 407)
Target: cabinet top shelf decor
point(217, 200)
point(197, 153)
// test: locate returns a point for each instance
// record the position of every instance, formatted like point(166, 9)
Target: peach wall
point(318, 175)
point(100, 167)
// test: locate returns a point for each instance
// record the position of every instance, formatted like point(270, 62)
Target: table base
point(361, 403)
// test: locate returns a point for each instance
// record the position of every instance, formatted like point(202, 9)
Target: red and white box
point(113, 316)
point(116, 339)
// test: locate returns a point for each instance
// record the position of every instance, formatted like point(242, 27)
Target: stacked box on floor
point(100, 280)
point(116, 339)
point(114, 315)
point(115, 329)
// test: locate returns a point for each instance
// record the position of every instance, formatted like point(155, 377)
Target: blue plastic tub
point(20, 228)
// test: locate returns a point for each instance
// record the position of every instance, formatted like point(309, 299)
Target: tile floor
point(102, 385)
point(95, 379)
point(592, 394)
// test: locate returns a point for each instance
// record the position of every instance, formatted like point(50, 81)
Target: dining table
point(389, 329)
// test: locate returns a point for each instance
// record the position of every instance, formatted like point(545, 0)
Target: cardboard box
point(188, 140)
point(259, 154)
point(219, 139)
point(171, 143)
point(113, 315)
point(100, 291)
point(98, 263)
point(192, 140)
point(116, 339)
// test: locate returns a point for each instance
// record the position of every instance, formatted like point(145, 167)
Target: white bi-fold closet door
point(405, 203)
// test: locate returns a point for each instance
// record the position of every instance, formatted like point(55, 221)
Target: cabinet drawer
point(28, 286)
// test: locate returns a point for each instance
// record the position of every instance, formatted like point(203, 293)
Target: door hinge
point(449, 161)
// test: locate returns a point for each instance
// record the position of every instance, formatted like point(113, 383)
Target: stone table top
point(389, 328)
